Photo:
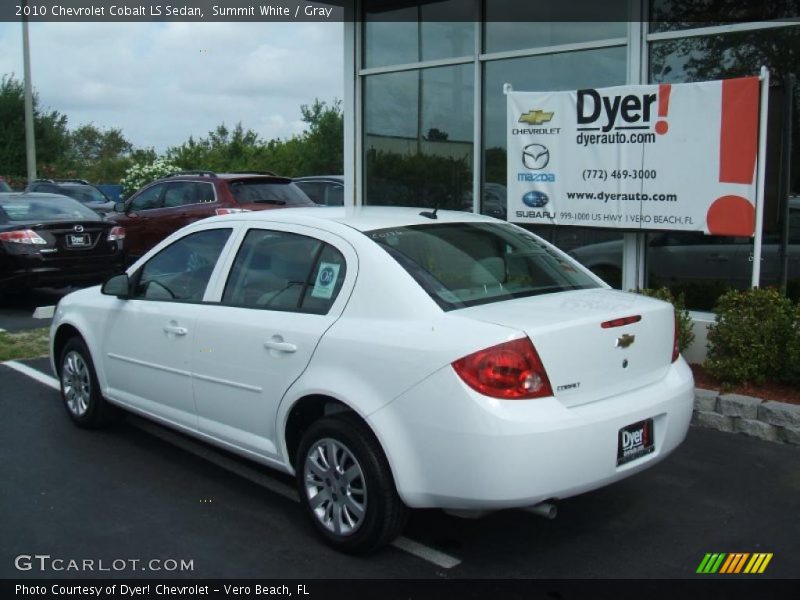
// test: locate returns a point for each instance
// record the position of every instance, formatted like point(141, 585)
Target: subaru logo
point(78, 228)
point(535, 199)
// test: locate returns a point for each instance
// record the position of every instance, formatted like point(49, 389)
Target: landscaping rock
point(758, 429)
point(712, 420)
point(791, 435)
point(736, 405)
point(780, 414)
point(705, 400)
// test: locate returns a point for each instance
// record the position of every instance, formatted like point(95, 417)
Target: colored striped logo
point(734, 563)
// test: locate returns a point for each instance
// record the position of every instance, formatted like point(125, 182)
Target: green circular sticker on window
point(327, 276)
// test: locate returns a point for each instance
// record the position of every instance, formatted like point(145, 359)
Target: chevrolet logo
point(536, 117)
point(625, 340)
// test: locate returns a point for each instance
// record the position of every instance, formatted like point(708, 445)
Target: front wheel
point(79, 387)
point(346, 485)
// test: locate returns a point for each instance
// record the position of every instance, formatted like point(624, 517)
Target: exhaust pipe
point(548, 510)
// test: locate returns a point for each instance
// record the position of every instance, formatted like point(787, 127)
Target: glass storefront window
point(418, 142)
point(418, 32)
point(668, 15)
point(703, 267)
point(564, 71)
point(514, 25)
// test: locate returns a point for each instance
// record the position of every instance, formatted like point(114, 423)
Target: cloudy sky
point(162, 82)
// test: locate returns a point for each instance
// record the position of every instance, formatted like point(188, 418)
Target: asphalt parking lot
point(16, 312)
point(137, 491)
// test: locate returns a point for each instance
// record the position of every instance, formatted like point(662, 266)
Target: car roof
point(320, 178)
point(362, 218)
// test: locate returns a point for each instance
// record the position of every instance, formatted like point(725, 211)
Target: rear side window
point(466, 264)
point(265, 191)
point(182, 193)
point(276, 270)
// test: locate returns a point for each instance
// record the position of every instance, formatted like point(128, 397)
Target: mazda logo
point(78, 228)
point(535, 156)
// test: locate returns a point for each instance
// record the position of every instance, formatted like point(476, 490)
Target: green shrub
point(748, 340)
point(685, 333)
point(791, 370)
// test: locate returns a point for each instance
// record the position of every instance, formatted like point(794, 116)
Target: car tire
point(80, 389)
point(357, 477)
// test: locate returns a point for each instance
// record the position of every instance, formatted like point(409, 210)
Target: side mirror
point(119, 207)
point(118, 285)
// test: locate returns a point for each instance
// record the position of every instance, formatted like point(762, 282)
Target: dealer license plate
point(635, 441)
point(78, 240)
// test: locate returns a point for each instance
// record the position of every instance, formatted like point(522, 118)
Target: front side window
point(276, 270)
point(466, 264)
point(181, 271)
point(149, 198)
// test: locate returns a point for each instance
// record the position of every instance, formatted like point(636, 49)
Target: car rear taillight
point(231, 211)
point(25, 236)
point(510, 371)
point(676, 348)
point(621, 322)
point(116, 233)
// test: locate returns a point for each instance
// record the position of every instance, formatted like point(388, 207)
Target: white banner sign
point(669, 156)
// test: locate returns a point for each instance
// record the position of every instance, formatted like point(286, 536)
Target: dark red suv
point(168, 204)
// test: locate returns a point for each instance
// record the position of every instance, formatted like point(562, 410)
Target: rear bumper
point(22, 271)
point(450, 447)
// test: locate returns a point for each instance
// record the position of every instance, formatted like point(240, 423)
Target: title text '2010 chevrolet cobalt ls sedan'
point(390, 358)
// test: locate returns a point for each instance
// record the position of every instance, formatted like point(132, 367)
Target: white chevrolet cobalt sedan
point(391, 358)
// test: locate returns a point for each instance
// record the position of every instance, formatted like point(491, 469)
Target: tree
point(50, 130)
point(97, 154)
point(223, 150)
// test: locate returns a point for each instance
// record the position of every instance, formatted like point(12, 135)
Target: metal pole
point(762, 154)
point(30, 140)
point(786, 177)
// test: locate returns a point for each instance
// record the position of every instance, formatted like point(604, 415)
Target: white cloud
point(162, 82)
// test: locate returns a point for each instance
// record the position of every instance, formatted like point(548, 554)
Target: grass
point(25, 344)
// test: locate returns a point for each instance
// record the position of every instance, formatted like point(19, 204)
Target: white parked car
point(389, 357)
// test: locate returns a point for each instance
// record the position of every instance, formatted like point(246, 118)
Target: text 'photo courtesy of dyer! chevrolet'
point(389, 358)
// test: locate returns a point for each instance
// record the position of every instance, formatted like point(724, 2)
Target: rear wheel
point(346, 485)
point(79, 387)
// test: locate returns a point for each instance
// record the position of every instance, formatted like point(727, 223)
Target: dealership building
point(425, 115)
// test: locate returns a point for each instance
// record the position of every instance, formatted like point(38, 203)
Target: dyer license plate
point(635, 441)
point(78, 240)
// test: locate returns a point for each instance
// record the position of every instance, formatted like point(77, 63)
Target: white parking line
point(426, 553)
point(199, 449)
point(48, 380)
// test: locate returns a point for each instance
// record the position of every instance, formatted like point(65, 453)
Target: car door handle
point(280, 345)
point(717, 258)
point(176, 330)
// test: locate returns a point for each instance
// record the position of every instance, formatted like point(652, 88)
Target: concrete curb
point(764, 419)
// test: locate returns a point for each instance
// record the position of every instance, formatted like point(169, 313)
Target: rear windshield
point(465, 264)
point(45, 208)
point(263, 191)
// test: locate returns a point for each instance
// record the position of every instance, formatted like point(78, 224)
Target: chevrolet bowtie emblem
point(625, 340)
point(536, 117)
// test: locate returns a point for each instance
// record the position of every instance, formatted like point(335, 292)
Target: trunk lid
point(586, 362)
point(82, 237)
